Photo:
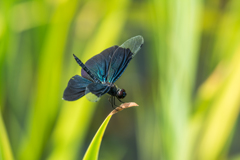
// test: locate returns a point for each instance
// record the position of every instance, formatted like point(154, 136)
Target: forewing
point(134, 44)
point(95, 90)
point(99, 64)
point(76, 88)
point(122, 57)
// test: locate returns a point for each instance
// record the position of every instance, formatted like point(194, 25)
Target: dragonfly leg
point(112, 101)
point(109, 99)
point(120, 100)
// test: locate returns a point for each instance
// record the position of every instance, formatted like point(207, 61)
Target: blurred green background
point(186, 79)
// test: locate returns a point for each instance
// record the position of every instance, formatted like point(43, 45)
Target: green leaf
point(5, 148)
point(93, 149)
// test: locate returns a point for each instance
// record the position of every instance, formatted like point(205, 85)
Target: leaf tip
point(123, 106)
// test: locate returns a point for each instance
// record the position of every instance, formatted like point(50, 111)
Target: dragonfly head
point(121, 93)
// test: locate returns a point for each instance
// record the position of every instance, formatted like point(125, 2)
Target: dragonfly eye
point(121, 93)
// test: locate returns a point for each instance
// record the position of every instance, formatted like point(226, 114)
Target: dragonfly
point(100, 72)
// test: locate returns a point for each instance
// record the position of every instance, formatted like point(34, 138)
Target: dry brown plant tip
point(123, 106)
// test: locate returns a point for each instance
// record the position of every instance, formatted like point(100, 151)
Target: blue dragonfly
point(101, 72)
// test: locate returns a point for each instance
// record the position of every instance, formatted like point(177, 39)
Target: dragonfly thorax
point(115, 91)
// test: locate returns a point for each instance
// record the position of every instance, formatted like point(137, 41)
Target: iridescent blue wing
point(76, 88)
point(122, 57)
point(99, 64)
point(95, 90)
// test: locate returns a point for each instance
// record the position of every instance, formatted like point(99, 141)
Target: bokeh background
point(186, 79)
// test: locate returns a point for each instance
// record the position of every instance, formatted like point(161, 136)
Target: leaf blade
point(93, 149)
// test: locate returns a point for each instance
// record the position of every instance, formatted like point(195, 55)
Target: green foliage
point(5, 149)
point(93, 149)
